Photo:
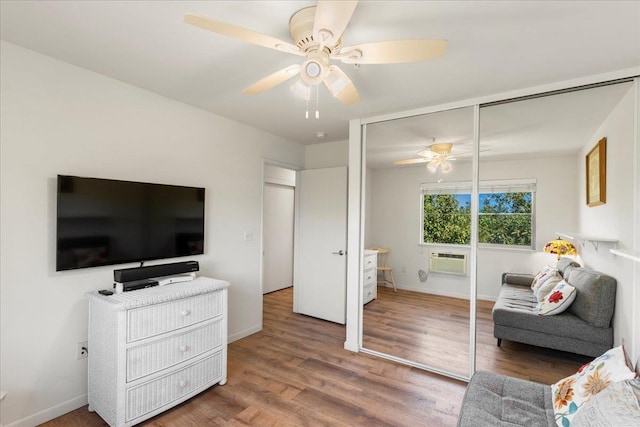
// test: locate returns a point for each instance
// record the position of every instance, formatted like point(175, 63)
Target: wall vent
point(448, 263)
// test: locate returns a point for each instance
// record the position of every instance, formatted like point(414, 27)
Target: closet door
point(533, 185)
point(418, 204)
point(278, 220)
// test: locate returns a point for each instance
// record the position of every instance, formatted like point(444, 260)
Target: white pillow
point(548, 283)
point(558, 299)
point(615, 406)
point(541, 276)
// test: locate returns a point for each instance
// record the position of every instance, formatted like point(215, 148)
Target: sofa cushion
point(595, 296)
point(518, 279)
point(517, 308)
point(564, 265)
point(497, 400)
point(558, 300)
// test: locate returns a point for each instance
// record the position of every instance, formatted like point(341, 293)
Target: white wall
point(60, 119)
point(395, 222)
point(615, 218)
point(327, 155)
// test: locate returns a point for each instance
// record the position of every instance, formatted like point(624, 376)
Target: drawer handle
point(185, 313)
point(368, 277)
point(183, 383)
point(184, 348)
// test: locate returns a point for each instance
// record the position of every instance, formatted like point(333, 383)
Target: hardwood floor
point(296, 373)
point(434, 330)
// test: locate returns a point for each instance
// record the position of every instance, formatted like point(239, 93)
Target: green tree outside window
point(504, 218)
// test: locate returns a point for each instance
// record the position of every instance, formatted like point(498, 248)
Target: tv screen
point(106, 222)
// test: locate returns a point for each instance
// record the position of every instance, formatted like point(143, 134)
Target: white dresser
point(370, 282)
point(153, 348)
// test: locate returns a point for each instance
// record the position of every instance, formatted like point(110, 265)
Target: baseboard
point(242, 334)
point(51, 413)
point(445, 293)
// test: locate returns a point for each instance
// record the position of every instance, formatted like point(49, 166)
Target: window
point(505, 213)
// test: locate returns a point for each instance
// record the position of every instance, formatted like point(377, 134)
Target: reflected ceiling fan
point(436, 156)
point(317, 36)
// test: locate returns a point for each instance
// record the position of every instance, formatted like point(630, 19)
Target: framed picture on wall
point(596, 167)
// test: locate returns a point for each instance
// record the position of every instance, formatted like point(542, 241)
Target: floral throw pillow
point(541, 276)
point(547, 285)
point(571, 393)
point(558, 299)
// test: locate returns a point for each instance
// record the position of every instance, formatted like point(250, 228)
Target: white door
point(320, 282)
point(278, 237)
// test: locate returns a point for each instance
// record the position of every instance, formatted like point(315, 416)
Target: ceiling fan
point(317, 36)
point(436, 156)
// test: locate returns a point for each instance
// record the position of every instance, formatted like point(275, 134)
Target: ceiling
point(494, 46)
point(556, 125)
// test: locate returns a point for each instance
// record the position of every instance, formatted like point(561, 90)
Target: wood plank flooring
point(295, 372)
point(434, 330)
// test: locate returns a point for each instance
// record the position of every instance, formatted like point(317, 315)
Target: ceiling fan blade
point(332, 17)
point(272, 80)
point(410, 161)
point(392, 51)
point(341, 86)
point(241, 33)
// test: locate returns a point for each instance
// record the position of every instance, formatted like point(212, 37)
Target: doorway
point(278, 215)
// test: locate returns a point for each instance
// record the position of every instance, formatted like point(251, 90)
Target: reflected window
point(505, 213)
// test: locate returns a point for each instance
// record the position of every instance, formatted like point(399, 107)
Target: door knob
point(340, 252)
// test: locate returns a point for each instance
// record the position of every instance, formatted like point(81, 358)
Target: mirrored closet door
point(532, 187)
point(417, 216)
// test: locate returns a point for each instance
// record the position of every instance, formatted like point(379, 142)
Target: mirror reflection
point(534, 151)
point(531, 187)
point(421, 237)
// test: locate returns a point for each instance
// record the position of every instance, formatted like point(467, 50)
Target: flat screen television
point(105, 222)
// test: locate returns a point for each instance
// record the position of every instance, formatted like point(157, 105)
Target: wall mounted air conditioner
point(448, 263)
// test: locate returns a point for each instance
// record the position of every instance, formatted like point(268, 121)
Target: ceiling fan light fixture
point(446, 167)
point(433, 166)
point(315, 68)
point(336, 80)
point(300, 89)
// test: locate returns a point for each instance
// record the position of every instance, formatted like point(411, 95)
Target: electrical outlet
point(82, 350)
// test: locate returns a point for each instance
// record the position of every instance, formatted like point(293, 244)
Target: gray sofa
point(495, 400)
point(584, 328)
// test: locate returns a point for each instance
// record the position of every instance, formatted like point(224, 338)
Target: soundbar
point(138, 274)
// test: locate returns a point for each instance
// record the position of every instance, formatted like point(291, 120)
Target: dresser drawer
point(157, 319)
point(370, 261)
point(163, 353)
point(370, 277)
point(153, 395)
point(370, 292)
